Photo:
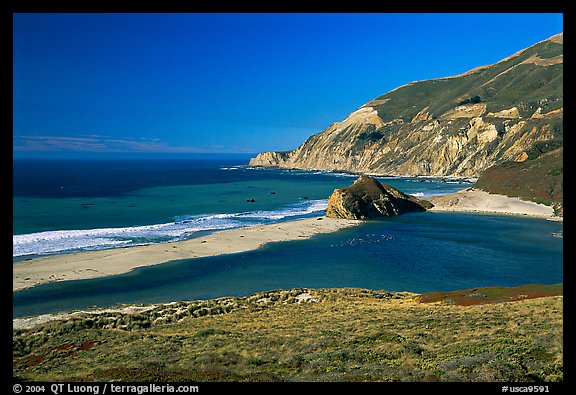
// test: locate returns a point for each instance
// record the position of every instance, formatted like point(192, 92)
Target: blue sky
point(180, 84)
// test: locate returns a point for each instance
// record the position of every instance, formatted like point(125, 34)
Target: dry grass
point(334, 335)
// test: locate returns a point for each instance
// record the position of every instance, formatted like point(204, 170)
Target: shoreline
point(109, 262)
point(472, 200)
point(462, 297)
point(468, 179)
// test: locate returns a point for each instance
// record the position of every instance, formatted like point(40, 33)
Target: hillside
point(482, 334)
point(539, 178)
point(454, 126)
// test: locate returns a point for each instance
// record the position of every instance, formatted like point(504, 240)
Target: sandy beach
point(474, 200)
point(102, 263)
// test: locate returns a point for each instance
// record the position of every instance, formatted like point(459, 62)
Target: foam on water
point(231, 168)
point(61, 241)
point(415, 252)
point(299, 171)
point(427, 194)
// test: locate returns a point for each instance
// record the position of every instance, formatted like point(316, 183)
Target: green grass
point(337, 335)
point(500, 86)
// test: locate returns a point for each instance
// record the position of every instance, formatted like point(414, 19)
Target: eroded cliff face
point(455, 126)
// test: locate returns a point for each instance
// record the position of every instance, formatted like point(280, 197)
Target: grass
point(331, 335)
point(501, 86)
point(486, 295)
point(540, 179)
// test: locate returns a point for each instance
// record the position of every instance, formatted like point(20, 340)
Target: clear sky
point(88, 84)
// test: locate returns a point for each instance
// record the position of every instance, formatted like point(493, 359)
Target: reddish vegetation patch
point(65, 347)
point(83, 346)
point(30, 360)
point(73, 348)
point(476, 296)
point(539, 180)
point(86, 346)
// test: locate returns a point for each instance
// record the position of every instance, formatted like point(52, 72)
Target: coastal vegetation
point(483, 334)
point(500, 124)
point(538, 178)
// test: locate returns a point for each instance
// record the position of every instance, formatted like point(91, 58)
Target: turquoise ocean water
point(65, 206)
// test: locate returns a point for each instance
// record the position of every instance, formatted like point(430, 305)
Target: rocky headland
point(368, 198)
point(496, 123)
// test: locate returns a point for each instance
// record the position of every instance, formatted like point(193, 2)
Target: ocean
point(62, 206)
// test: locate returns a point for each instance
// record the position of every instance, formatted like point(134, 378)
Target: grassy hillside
point(540, 178)
point(516, 81)
point(504, 334)
point(453, 126)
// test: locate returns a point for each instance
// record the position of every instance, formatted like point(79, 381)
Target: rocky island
point(368, 198)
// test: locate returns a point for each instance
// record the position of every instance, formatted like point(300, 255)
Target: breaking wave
point(63, 241)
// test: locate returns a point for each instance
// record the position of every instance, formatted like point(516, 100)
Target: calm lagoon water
point(171, 200)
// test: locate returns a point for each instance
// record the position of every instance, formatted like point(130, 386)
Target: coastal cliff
point(453, 126)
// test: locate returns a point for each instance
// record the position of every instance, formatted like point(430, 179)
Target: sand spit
point(475, 200)
point(102, 263)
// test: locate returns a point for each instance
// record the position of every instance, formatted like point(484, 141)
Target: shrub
point(470, 100)
point(372, 136)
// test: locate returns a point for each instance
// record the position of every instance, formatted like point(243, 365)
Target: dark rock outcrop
point(368, 198)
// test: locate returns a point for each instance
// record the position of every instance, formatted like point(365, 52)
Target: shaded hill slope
point(538, 179)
